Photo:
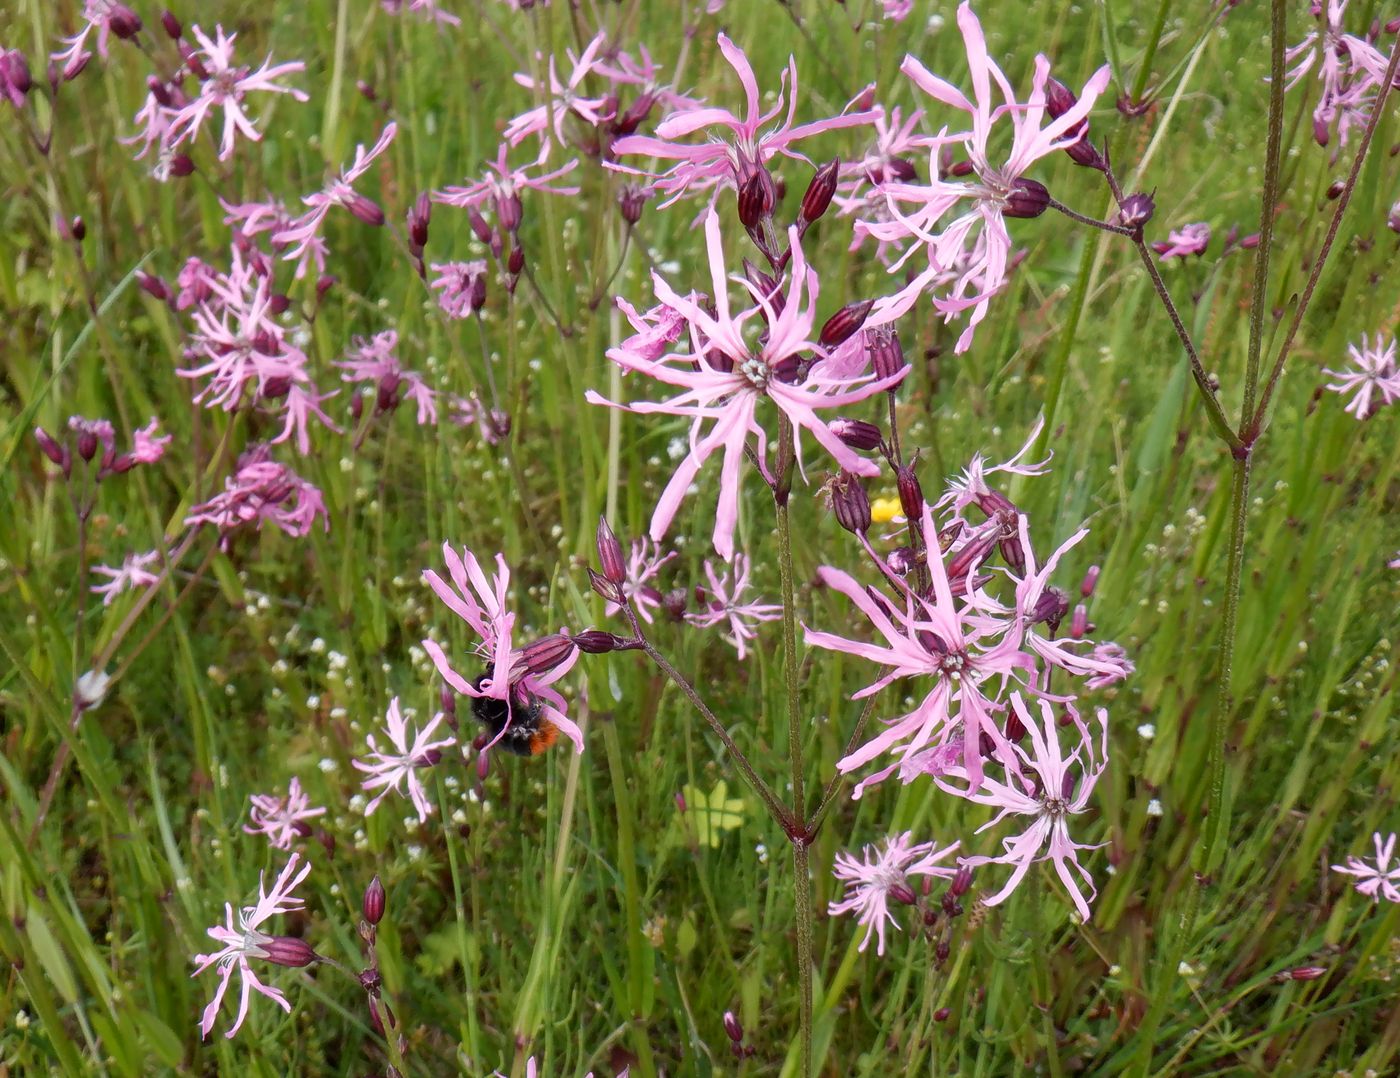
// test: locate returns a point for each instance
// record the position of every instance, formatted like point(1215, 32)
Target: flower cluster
point(1373, 377)
point(1351, 70)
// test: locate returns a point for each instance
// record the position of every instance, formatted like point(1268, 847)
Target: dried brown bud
point(886, 355)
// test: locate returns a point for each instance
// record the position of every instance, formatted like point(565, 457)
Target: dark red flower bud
point(419, 214)
point(949, 169)
point(1085, 153)
point(901, 561)
point(844, 323)
point(276, 387)
point(479, 226)
point(1393, 26)
point(1248, 243)
point(886, 355)
point(632, 199)
point(172, 25)
point(510, 212)
point(901, 892)
point(1090, 581)
point(732, 1029)
point(632, 119)
point(51, 448)
point(123, 22)
point(548, 653)
point(961, 881)
point(14, 70)
point(447, 700)
point(288, 951)
point(357, 406)
point(278, 303)
point(1136, 211)
point(857, 433)
point(516, 262)
point(1059, 98)
point(598, 642)
point(153, 286)
point(1015, 728)
point(1320, 132)
point(1028, 198)
point(941, 1015)
point(87, 444)
point(366, 209)
point(120, 465)
point(911, 494)
point(862, 101)
point(1305, 973)
point(1079, 622)
point(820, 191)
point(372, 905)
point(181, 165)
point(769, 287)
point(1050, 608)
point(942, 951)
point(370, 980)
point(610, 557)
point(851, 504)
point(756, 197)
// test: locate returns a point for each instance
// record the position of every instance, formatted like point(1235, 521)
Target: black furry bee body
point(520, 724)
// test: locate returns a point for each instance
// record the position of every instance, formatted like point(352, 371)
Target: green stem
point(1150, 54)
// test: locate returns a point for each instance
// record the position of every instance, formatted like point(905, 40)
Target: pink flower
point(263, 490)
point(1374, 378)
point(225, 86)
point(896, 10)
point(967, 489)
point(883, 873)
point(1049, 798)
point(481, 603)
point(132, 573)
point(643, 565)
point(923, 636)
point(733, 148)
point(149, 447)
point(304, 230)
point(246, 942)
point(424, 9)
point(970, 253)
point(726, 379)
point(1378, 880)
point(375, 361)
point(504, 187)
point(565, 99)
point(1187, 240)
point(104, 16)
point(463, 286)
point(397, 770)
point(726, 604)
point(1351, 69)
point(281, 818)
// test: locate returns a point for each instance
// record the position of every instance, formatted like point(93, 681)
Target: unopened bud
point(732, 1029)
point(756, 197)
point(1059, 98)
point(51, 448)
point(941, 1015)
point(91, 689)
point(287, 951)
point(516, 262)
point(598, 642)
point(279, 303)
point(1320, 132)
point(510, 212)
point(1028, 198)
point(610, 556)
point(844, 323)
point(1079, 622)
point(366, 209)
point(942, 951)
point(372, 905)
point(1050, 608)
point(153, 286)
point(857, 433)
point(480, 228)
point(418, 217)
point(851, 504)
point(632, 119)
point(123, 22)
point(172, 25)
point(366, 90)
point(14, 72)
point(1090, 581)
point(1305, 973)
point(180, 166)
point(820, 191)
point(902, 893)
point(632, 199)
point(1015, 728)
point(604, 588)
point(961, 882)
point(548, 653)
point(911, 494)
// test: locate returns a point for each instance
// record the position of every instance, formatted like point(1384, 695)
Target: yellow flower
point(884, 510)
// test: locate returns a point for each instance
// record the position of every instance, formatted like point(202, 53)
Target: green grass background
point(563, 908)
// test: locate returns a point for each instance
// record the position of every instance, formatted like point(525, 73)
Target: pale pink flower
point(1115, 659)
point(148, 445)
point(1187, 240)
point(376, 361)
point(1374, 377)
point(896, 10)
point(975, 245)
point(262, 490)
point(733, 148)
point(195, 281)
point(132, 573)
point(565, 98)
point(224, 87)
point(726, 379)
point(1378, 880)
point(1350, 68)
point(396, 767)
point(463, 286)
point(246, 942)
point(424, 9)
point(104, 16)
point(881, 873)
point(643, 565)
point(931, 636)
point(501, 185)
point(481, 603)
point(726, 604)
point(1058, 787)
point(965, 490)
point(302, 232)
point(281, 819)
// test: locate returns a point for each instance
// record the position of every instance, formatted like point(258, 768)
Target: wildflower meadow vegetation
point(771, 537)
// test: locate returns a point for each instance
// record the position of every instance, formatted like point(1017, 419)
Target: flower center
point(953, 664)
point(756, 371)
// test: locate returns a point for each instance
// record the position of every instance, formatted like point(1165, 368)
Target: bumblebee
point(519, 724)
